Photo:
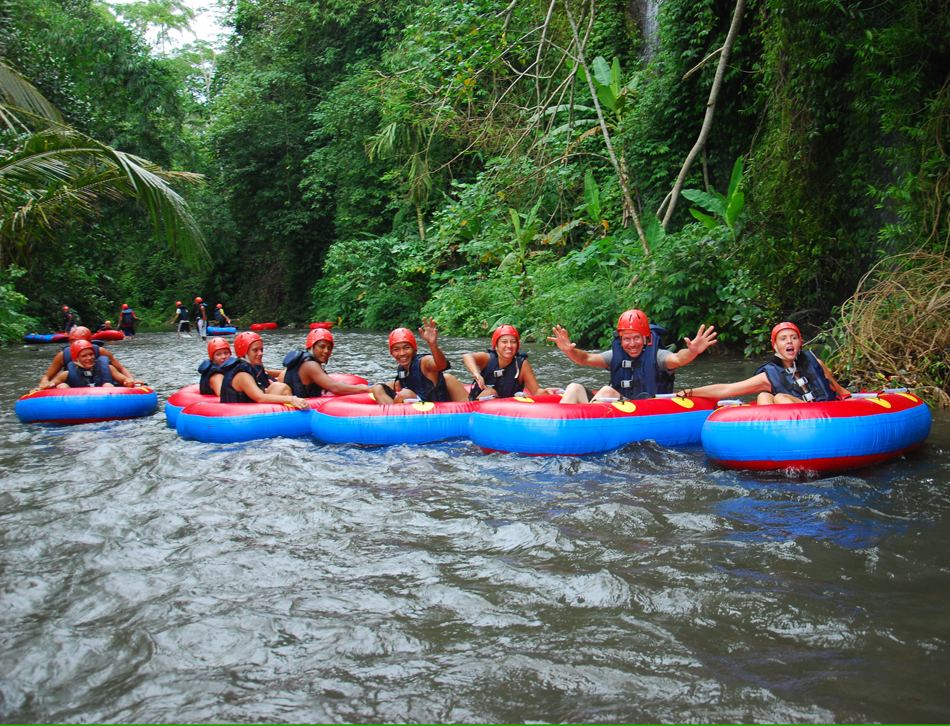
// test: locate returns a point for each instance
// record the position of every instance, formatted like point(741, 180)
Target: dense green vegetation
point(485, 161)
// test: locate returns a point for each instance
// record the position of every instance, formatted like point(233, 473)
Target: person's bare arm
point(705, 337)
point(246, 384)
point(581, 357)
point(436, 362)
point(474, 362)
point(756, 384)
point(317, 375)
point(55, 367)
point(842, 391)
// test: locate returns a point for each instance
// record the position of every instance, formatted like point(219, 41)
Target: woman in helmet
point(504, 370)
point(793, 375)
point(245, 380)
point(421, 377)
point(61, 359)
point(219, 350)
point(639, 365)
point(304, 370)
point(86, 369)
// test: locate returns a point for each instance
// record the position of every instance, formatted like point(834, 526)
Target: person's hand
point(429, 333)
point(705, 337)
point(562, 340)
point(44, 384)
point(300, 404)
point(480, 381)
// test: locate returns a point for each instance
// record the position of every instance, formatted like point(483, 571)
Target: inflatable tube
point(264, 326)
point(863, 430)
point(188, 395)
point(47, 338)
point(360, 420)
point(108, 335)
point(540, 425)
point(85, 405)
point(326, 326)
point(211, 421)
point(222, 331)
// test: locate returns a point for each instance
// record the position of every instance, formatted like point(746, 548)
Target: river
point(146, 578)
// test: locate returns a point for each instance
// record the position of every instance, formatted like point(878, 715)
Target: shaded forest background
point(371, 162)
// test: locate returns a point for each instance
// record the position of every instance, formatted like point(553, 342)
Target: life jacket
point(503, 380)
point(230, 368)
point(415, 380)
point(68, 322)
point(78, 377)
point(183, 314)
point(203, 311)
point(67, 356)
point(127, 317)
point(219, 315)
point(207, 369)
point(103, 327)
point(806, 381)
point(632, 377)
point(292, 362)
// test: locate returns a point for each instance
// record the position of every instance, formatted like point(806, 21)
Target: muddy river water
point(146, 578)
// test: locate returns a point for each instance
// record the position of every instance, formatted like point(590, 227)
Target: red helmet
point(77, 347)
point(66, 307)
point(784, 326)
point(319, 334)
point(505, 330)
point(243, 342)
point(219, 305)
point(636, 321)
point(124, 306)
point(178, 304)
point(216, 344)
point(197, 299)
point(80, 333)
point(402, 335)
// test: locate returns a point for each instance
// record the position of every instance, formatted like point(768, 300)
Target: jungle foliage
point(485, 161)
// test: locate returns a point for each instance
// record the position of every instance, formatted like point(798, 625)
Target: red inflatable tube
point(360, 420)
point(264, 326)
point(325, 326)
point(109, 335)
point(864, 430)
point(542, 426)
point(188, 395)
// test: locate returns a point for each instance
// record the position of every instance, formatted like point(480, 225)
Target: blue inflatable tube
point(85, 405)
point(540, 425)
point(861, 431)
point(222, 331)
point(228, 423)
point(359, 419)
point(47, 338)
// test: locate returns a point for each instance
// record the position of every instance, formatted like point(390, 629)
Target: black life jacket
point(78, 377)
point(230, 368)
point(219, 315)
point(207, 369)
point(415, 380)
point(103, 327)
point(183, 314)
point(68, 322)
point(808, 381)
point(503, 380)
point(292, 362)
point(203, 311)
point(633, 377)
point(127, 317)
point(67, 356)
